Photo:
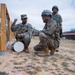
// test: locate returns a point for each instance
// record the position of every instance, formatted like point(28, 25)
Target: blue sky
point(33, 9)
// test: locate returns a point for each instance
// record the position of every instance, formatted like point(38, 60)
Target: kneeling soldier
point(48, 36)
point(23, 31)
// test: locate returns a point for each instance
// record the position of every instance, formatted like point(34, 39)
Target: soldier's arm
point(14, 26)
point(60, 21)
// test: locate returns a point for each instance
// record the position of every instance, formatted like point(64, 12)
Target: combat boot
point(26, 49)
point(45, 53)
point(52, 51)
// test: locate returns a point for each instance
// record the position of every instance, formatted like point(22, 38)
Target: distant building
point(69, 35)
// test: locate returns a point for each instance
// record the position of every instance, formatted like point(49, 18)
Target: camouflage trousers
point(25, 40)
point(46, 42)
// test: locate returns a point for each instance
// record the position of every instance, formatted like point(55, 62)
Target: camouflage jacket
point(22, 29)
point(50, 29)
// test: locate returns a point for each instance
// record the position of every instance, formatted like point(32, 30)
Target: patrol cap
point(23, 16)
point(55, 7)
point(46, 12)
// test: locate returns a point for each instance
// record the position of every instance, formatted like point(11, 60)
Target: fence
point(5, 32)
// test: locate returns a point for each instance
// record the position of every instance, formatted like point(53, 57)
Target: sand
point(61, 63)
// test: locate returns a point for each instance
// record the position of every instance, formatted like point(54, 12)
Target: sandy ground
point(62, 63)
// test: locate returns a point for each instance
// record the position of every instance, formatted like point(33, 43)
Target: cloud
point(33, 9)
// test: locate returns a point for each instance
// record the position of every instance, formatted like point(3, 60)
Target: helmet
point(55, 7)
point(46, 12)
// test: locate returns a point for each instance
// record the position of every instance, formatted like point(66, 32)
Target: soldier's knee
point(26, 40)
point(26, 37)
point(35, 48)
point(42, 36)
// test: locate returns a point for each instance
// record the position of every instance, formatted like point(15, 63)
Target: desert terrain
point(61, 63)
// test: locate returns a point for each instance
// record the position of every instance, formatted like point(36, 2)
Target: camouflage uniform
point(48, 37)
point(58, 19)
point(25, 31)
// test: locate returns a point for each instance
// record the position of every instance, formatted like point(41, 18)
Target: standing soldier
point(48, 38)
point(58, 19)
point(23, 31)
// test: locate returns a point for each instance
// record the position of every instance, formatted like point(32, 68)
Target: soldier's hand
point(18, 35)
point(15, 20)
